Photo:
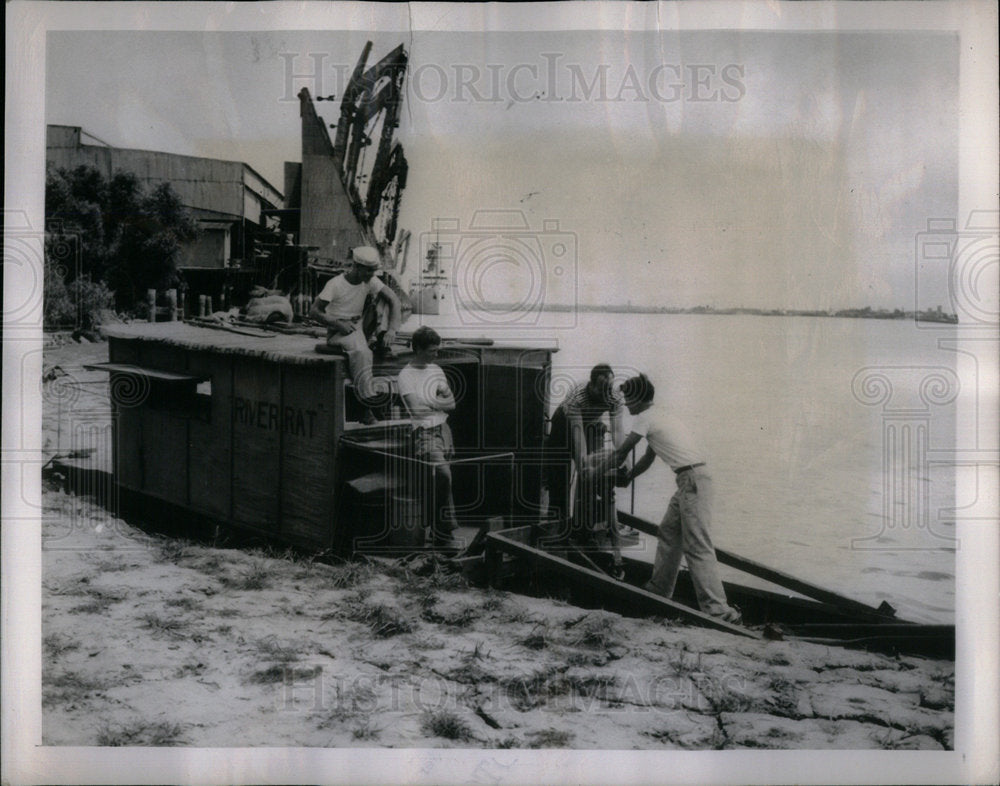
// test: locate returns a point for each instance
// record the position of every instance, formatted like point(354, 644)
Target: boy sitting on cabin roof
point(340, 306)
point(428, 399)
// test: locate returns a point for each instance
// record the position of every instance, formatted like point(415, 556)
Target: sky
point(726, 168)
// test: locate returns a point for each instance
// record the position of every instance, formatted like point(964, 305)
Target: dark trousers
point(593, 499)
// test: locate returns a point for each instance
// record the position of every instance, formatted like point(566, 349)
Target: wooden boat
point(791, 609)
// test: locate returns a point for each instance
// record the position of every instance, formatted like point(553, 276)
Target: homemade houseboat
point(257, 430)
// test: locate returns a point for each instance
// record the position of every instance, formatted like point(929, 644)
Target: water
point(813, 471)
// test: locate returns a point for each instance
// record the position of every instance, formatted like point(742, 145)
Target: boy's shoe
point(733, 617)
point(617, 572)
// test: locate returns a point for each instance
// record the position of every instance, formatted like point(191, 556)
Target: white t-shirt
point(422, 384)
point(346, 300)
point(668, 437)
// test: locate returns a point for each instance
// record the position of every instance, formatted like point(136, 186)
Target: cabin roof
point(277, 347)
point(273, 346)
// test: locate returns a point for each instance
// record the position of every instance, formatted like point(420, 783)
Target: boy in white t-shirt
point(428, 398)
point(340, 306)
point(684, 530)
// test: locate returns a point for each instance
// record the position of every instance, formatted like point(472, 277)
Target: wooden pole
point(639, 599)
point(151, 301)
point(771, 574)
point(172, 304)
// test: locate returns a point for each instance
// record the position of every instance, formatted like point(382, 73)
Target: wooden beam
point(845, 630)
point(640, 598)
point(590, 563)
point(152, 373)
point(774, 576)
point(911, 638)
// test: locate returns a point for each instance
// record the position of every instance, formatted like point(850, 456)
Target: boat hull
point(514, 562)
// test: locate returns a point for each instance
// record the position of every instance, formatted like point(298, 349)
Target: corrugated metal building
point(227, 198)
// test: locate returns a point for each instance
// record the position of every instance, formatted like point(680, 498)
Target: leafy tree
point(118, 234)
point(58, 309)
point(146, 231)
point(73, 217)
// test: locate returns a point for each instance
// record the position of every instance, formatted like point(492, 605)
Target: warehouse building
point(231, 202)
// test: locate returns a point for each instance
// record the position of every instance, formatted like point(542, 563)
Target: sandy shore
point(149, 640)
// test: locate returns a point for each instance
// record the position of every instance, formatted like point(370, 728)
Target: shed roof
point(276, 347)
point(273, 346)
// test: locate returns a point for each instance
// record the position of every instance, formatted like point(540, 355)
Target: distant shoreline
point(928, 315)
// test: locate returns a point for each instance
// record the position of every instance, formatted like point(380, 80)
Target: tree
point(74, 203)
point(146, 233)
point(117, 233)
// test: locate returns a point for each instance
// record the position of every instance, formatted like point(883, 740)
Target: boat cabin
point(259, 431)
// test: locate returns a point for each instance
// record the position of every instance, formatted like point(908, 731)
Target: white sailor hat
point(366, 255)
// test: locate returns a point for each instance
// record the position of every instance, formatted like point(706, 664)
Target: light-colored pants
point(436, 445)
point(684, 531)
point(359, 360)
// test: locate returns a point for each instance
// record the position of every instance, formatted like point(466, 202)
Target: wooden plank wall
point(127, 423)
point(210, 440)
point(260, 455)
point(310, 400)
point(150, 442)
point(514, 417)
point(256, 445)
point(166, 468)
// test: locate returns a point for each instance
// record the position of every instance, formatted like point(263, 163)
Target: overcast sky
point(769, 169)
